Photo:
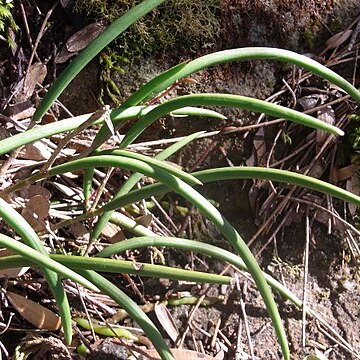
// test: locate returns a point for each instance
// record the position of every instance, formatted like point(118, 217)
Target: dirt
point(333, 283)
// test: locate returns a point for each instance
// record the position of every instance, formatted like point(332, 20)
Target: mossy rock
point(188, 24)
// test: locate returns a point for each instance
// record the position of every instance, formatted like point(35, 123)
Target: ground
point(333, 287)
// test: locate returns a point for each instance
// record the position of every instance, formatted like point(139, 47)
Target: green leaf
point(98, 44)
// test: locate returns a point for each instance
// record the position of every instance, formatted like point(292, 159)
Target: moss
point(185, 23)
point(308, 37)
point(177, 24)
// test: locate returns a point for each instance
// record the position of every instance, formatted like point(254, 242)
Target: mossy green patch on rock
point(188, 24)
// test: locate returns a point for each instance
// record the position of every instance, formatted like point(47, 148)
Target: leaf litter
point(39, 205)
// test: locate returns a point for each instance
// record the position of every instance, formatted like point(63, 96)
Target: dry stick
point(346, 346)
point(94, 117)
point(40, 35)
point(349, 239)
point(355, 64)
point(243, 311)
point(269, 157)
point(285, 217)
point(320, 319)
point(167, 217)
point(225, 131)
point(331, 213)
point(226, 340)
point(354, 34)
point(169, 89)
point(306, 271)
point(329, 206)
point(26, 25)
point(159, 226)
point(272, 236)
point(216, 332)
point(86, 312)
point(180, 342)
point(294, 153)
point(283, 203)
point(3, 348)
point(101, 189)
point(205, 154)
point(291, 92)
point(7, 325)
point(90, 298)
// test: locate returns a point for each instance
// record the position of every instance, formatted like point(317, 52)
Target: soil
point(333, 281)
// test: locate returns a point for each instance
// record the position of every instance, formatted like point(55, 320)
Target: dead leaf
point(338, 39)
point(36, 211)
point(11, 272)
point(345, 172)
point(36, 314)
point(68, 191)
point(180, 354)
point(21, 110)
point(326, 115)
point(145, 220)
point(80, 231)
point(352, 185)
point(36, 74)
point(79, 41)
point(166, 321)
point(63, 55)
point(36, 151)
point(83, 37)
point(113, 233)
point(258, 156)
point(33, 190)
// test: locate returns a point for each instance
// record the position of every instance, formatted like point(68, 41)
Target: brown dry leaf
point(33, 190)
point(323, 218)
point(258, 156)
point(21, 110)
point(80, 231)
point(166, 321)
point(326, 115)
point(36, 151)
point(352, 185)
point(113, 233)
point(145, 220)
point(79, 41)
point(68, 191)
point(11, 272)
point(37, 74)
point(345, 172)
point(338, 39)
point(180, 354)
point(63, 55)
point(36, 211)
point(83, 37)
point(36, 314)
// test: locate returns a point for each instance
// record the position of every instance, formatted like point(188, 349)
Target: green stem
point(115, 266)
point(133, 310)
